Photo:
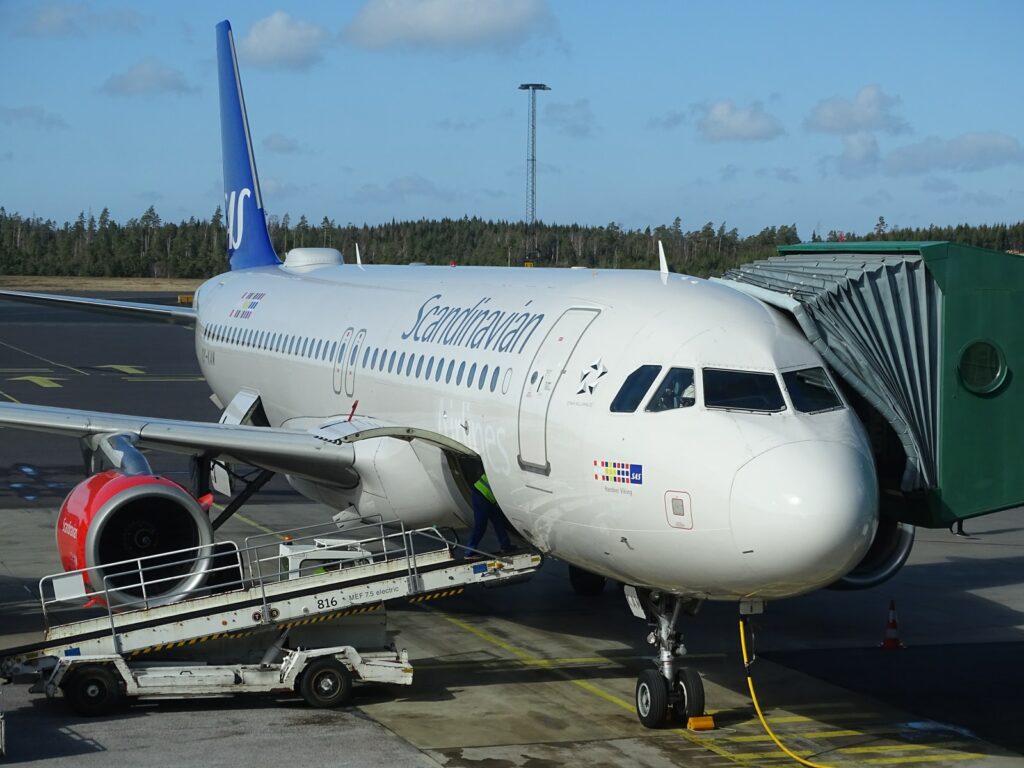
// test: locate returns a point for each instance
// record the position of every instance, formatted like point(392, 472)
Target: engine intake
point(888, 552)
point(111, 517)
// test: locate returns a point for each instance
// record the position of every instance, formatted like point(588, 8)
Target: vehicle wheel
point(586, 583)
point(689, 691)
point(651, 698)
point(326, 683)
point(93, 690)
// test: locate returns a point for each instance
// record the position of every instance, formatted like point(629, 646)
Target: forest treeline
point(150, 247)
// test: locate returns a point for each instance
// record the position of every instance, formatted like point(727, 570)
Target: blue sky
point(826, 114)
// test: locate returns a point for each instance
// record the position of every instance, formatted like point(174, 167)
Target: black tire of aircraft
point(651, 698)
point(690, 695)
point(326, 683)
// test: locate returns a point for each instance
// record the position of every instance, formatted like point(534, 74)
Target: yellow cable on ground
point(757, 706)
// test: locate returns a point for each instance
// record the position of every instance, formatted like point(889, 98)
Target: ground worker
point(485, 507)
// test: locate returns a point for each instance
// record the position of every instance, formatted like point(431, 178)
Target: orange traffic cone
point(891, 641)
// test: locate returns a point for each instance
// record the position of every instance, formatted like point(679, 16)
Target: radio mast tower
point(531, 151)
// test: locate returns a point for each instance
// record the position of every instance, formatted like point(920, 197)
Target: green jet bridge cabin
point(927, 339)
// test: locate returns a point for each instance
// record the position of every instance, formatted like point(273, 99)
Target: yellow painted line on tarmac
point(887, 748)
point(40, 357)
point(786, 719)
point(611, 698)
point(253, 523)
point(797, 734)
point(25, 370)
point(131, 370)
point(163, 378)
point(12, 398)
point(46, 382)
point(936, 758)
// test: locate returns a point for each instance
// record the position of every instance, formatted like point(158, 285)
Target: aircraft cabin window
point(742, 390)
point(440, 370)
point(675, 391)
point(408, 367)
point(383, 360)
point(448, 375)
point(811, 391)
point(334, 350)
point(401, 363)
point(430, 368)
point(634, 388)
point(366, 356)
point(419, 366)
point(373, 360)
point(472, 375)
point(462, 370)
point(483, 378)
point(319, 348)
point(291, 344)
point(391, 361)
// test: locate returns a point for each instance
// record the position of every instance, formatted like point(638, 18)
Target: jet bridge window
point(634, 388)
point(811, 391)
point(742, 391)
point(675, 391)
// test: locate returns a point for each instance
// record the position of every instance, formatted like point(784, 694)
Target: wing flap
point(160, 312)
point(274, 448)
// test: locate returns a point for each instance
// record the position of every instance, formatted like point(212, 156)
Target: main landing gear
point(670, 690)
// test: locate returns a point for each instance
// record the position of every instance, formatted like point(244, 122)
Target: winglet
point(662, 262)
point(248, 239)
point(359, 261)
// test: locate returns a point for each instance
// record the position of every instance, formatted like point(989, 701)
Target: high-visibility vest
point(485, 488)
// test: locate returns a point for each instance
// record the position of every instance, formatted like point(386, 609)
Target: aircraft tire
point(326, 683)
point(651, 698)
point(689, 700)
point(93, 690)
point(585, 583)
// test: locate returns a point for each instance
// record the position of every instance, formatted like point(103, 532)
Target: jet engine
point(112, 517)
point(888, 552)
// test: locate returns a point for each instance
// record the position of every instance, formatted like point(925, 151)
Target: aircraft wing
point(325, 453)
point(161, 312)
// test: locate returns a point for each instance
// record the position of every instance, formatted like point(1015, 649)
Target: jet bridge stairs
point(268, 611)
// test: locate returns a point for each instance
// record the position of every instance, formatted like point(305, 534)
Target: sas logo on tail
point(234, 207)
point(618, 472)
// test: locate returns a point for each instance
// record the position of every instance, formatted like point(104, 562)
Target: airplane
point(660, 430)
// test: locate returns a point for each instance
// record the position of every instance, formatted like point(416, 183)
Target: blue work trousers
point(483, 510)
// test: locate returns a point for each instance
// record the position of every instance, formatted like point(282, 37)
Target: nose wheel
point(670, 690)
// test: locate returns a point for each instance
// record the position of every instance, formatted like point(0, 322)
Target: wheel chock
point(702, 723)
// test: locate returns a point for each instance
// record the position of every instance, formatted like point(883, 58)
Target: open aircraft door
point(546, 371)
point(341, 358)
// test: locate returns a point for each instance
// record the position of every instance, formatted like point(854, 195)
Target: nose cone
point(803, 514)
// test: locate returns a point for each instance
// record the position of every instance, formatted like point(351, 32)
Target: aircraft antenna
point(531, 151)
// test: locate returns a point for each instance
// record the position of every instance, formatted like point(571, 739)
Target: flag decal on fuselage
point(250, 300)
point(619, 472)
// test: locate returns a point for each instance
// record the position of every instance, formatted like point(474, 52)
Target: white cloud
point(724, 121)
point(860, 154)
point(778, 173)
point(966, 152)
point(399, 189)
point(281, 41)
point(78, 20)
point(279, 190)
point(446, 23)
point(672, 119)
point(146, 78)
point(278, 142)
point(870, 110)
point(575, 119)
point(35, 116)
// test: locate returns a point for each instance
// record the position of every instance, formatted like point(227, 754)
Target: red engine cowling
point(110, 517)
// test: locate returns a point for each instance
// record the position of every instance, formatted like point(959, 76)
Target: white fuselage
point(711, 502)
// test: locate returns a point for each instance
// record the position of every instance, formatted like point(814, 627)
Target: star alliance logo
point(590, 376)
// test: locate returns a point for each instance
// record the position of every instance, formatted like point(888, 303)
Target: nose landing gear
point(670, 690)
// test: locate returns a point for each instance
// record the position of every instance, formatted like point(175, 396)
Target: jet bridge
point(926, 339)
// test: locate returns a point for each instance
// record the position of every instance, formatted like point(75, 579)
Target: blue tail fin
point(248, 239)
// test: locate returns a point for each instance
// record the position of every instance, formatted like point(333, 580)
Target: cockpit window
point(811, 391)
point(742, 390)
point(675, 391)
point(634, 388)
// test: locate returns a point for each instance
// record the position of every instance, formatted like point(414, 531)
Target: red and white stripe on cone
point(891, 641)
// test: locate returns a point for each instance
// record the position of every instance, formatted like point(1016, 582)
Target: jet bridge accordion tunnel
point(928, 342)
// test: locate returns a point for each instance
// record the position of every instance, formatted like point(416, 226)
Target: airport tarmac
point(529, 675)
